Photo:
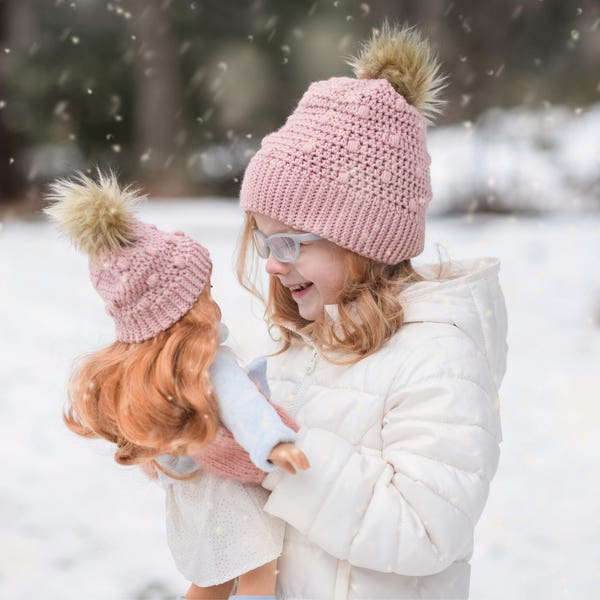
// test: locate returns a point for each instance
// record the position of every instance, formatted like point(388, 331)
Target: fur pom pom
point(96, 216)
point(404, 58)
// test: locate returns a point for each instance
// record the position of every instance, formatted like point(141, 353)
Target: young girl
point(161, 391)
point(391, 374)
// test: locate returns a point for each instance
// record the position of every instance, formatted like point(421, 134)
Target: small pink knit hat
point(351, 162)
point(147, 278)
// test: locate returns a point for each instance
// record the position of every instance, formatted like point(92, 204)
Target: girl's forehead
point(269, 226)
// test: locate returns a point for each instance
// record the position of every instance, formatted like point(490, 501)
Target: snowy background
point(76, 525)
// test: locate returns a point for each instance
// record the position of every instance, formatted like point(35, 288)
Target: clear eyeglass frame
point(284, 246)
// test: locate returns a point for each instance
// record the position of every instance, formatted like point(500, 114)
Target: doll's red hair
point(152, 397)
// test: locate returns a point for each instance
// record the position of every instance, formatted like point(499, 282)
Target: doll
point(167, 388)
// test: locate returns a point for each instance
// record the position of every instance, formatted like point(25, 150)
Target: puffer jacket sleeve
point(412, 508)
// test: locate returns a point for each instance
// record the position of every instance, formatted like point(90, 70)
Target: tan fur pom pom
point(95, 215)
point(404, 58)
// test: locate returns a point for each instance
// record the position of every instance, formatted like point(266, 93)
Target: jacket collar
point(472, 301)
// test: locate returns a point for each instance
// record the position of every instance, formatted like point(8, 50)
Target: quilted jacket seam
point(328, 386)
point(441, 462)
point(444, 498)
point(444, 378)
point(418, 345)
point(444, 422)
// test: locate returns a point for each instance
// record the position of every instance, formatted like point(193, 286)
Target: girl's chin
point(309, 305)
point(310, 312)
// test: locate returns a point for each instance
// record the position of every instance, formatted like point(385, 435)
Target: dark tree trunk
point(11, 180)
point(158, 103)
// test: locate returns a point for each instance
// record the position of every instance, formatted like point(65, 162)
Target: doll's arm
point(247, 414)
point(412, 509)
point(257, 371)
point(285, 455)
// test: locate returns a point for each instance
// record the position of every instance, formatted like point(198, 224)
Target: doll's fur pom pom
point(96, 215)
point(405, 59)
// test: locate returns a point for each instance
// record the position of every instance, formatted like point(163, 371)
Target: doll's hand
point(287, 456)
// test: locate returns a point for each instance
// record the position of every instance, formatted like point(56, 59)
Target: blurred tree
point(159, 128)
point(177, 94)
point(11, 180)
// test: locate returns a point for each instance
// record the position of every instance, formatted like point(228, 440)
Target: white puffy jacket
point(403, 446)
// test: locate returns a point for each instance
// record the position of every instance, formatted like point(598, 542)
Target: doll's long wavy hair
point(152, 397)
point(370, 311)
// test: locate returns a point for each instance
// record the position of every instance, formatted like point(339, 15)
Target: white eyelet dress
point(217, 529)
point(216, 526)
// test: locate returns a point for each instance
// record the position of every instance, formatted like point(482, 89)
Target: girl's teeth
point(297, 288)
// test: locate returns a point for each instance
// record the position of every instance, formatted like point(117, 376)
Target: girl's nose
point(274, 267)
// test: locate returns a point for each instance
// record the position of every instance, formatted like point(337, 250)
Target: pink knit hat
point(148, 279)
point(351, 162)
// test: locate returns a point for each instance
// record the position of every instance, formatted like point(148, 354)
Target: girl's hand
point(287, 456)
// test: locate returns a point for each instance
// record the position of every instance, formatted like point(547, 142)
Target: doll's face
point(316, 278)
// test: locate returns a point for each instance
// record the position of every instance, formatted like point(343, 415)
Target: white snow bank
point(518, 160)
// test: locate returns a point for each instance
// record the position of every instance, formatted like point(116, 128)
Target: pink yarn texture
point(225, 457)
point(149, 285)
point(350, 164)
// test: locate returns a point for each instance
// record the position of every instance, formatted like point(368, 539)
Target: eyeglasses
point(284, 246)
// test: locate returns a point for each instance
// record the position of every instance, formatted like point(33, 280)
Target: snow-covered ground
point(75, 525)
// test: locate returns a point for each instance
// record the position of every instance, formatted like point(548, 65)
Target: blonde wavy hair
point(152, 397)
point(370, 312)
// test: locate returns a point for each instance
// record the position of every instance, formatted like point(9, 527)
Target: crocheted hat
point(351, 162)
point(148, 279)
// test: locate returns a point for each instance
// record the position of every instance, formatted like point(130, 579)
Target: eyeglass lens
point(284, 248)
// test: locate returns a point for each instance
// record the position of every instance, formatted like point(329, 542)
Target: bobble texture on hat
point(149, 285)
point(147, 278)
point(351, 162)
point(351, 165)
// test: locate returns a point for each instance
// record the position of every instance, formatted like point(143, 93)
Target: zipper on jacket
point(311, 365)
point(308, 371)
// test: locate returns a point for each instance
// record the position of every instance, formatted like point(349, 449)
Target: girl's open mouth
point(300, 290)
